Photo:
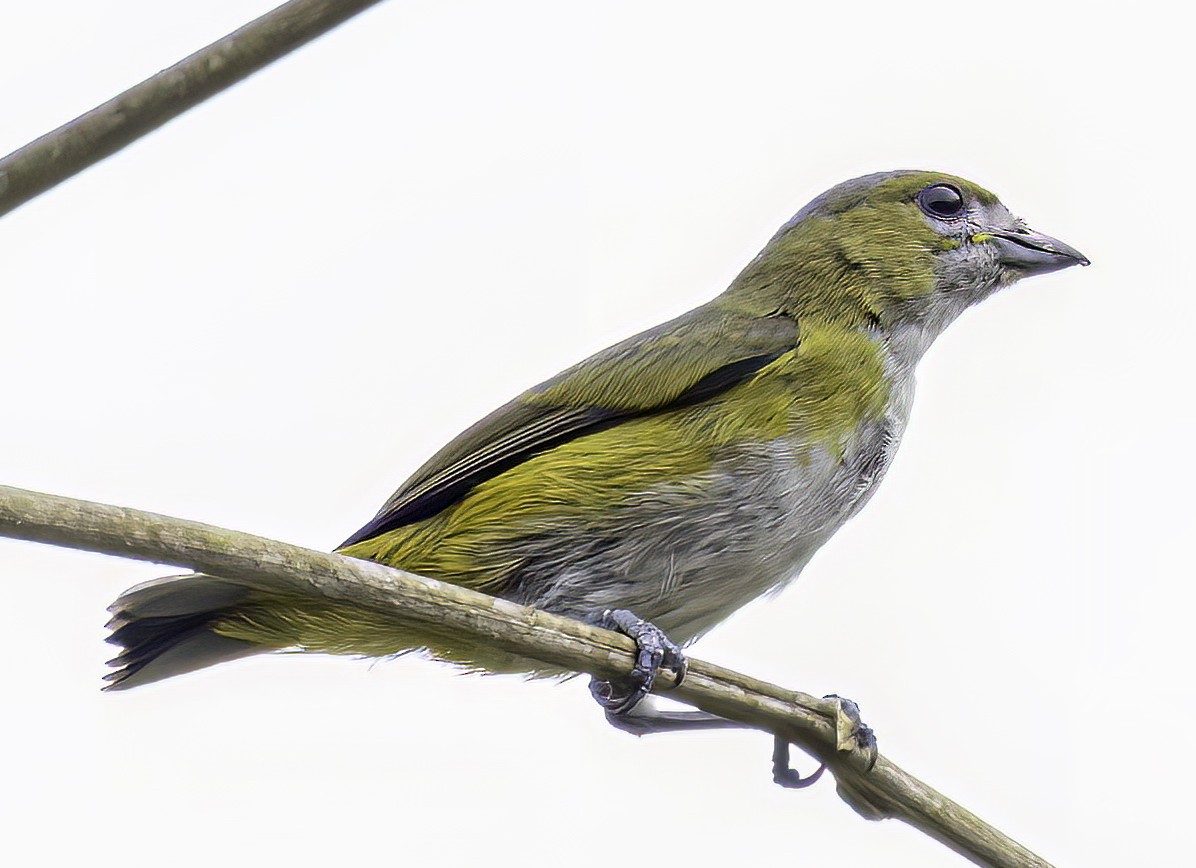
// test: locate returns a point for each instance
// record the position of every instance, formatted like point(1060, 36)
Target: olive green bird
point(677, 475)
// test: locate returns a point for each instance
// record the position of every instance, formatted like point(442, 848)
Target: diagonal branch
point(811, 723)
point(101, 132)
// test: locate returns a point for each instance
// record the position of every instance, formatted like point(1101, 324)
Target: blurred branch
point(810, 723)
point(89, 138)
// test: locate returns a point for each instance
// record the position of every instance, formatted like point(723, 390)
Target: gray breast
point(686, 555)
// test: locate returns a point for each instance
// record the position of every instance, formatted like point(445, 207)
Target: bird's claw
point(853, 733)
point(653, 650)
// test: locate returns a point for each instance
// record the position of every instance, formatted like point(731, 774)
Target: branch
point(89, 138)
point(811, 723)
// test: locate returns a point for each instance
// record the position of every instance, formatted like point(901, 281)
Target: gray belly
point(687, 555)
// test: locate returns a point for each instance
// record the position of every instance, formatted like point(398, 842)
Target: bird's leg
point(860, 733)
point(622, 700)
point(786, 777)
point(646, 719)
point(653, 650)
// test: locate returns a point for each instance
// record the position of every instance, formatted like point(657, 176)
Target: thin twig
point(811, 723)
point(89, 138)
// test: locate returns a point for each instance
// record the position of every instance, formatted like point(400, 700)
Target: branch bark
point(811, 723)
point(101, 132)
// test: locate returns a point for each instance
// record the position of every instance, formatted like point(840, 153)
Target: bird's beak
point(1031, 252)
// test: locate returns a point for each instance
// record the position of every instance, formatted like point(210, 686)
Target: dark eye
point(941, 200)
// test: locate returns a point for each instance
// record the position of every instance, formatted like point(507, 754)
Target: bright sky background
point(269, 312)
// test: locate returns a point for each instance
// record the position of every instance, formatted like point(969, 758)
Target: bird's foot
point(654, 650)
point(853, 733)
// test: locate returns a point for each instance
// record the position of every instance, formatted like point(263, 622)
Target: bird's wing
point(681, 362)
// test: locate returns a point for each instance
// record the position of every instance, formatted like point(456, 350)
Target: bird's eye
point(941, 200)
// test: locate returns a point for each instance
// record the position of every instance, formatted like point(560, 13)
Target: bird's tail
point(169, 626)
point(182, 623)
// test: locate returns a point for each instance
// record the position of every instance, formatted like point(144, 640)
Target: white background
point(269, 312)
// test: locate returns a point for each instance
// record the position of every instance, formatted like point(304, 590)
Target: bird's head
point(898, 248)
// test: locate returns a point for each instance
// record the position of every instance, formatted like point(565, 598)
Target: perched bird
point(673, 477)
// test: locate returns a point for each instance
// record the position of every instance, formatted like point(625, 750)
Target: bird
point(664, 482)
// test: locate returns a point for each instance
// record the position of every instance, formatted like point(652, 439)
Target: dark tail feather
point(165, 628)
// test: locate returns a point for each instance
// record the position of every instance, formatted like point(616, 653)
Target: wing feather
point(687, 360)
